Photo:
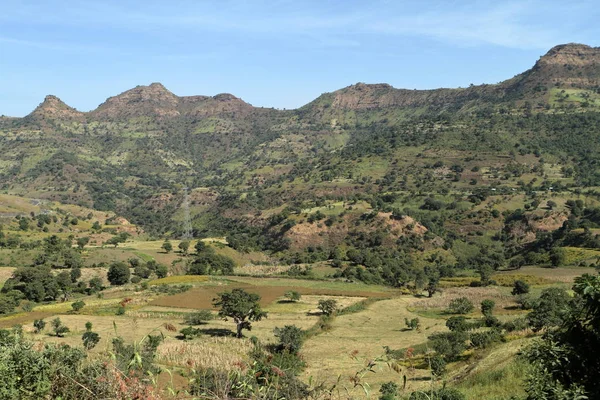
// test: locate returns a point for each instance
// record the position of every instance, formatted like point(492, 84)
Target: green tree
point(184, 246)
point(82, 242)
point(328, 306)
point(39, 325)
point(59, 328)
point(167, 246)
point(292, 295)
point(290, 338)
point(90, 339)
point(550, 310)
point(565, 361)
point(461, 305)
point(241, 306)
point(78, 305)
point(558, 256)
point(487, 307)
point(161, 271)
point(520, 287)
point(118, 274)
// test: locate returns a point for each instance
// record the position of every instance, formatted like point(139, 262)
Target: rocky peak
point(55, 108)
point(152, 101)
point(568, 66)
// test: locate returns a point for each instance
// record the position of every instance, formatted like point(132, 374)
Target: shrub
point(90, 339)
point(78, 305)
point(59, 328)
point(290, 338)
point(487, 307)
point(292, 295)
point(457, 324)
point(520, 287)
point(450, 345)
point(39, 325)
point(412, 324)
point(438, 365)
point(517, 324)
point(120, 310)
point(388, 390)
point(198, 317)
point(461, 305)
point(190, 333)
point(135, 279)
point(327, 307)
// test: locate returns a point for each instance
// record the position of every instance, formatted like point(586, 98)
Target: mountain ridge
point(567, 65)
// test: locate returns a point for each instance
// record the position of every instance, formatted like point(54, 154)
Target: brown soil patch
point(201, 297)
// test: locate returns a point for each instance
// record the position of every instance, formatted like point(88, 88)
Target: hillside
point(405, 244)
point(254, 170)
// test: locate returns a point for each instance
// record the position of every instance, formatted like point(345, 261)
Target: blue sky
point(276, 53)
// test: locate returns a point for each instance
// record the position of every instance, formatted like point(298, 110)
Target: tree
point(461, 305)
point(75, 274)
point(558, 256)
point(290, 338)
point(565, 361)
point(167, 246)
point(457, 324)
point(118, 274)
point(78, 305)
point(184, 246)
point(39, 325)
point(487, 307)
point(161, 271)
point(292, 296)
point(520, 287)
point(82, 242)
point(328, 306)
point(432, 286)
point(412, 324)
point(59, 328)
point(90, 339)
point(550, 310)
point(200, 246)
point(241, 306)
point(96, 284)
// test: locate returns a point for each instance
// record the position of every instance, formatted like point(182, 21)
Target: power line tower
point(187, 221)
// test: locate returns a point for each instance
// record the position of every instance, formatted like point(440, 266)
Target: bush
point(487, 307)
point(135, 279)
point(292, 295)
point(388, 390)
point(198, 317)
point(327, 307)
point(520, 287)
point(438, 365)
point(290, 338)
point(78, 305)
point(59, 328)
point(39, 325)
point(457, 324)
point(412, 324)
point(450, 345)
point(461, 305)
point(120, 310)
point(190, 333)
point(517, 324)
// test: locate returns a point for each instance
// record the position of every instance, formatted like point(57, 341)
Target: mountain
point(53, 108)
point(372, 143)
